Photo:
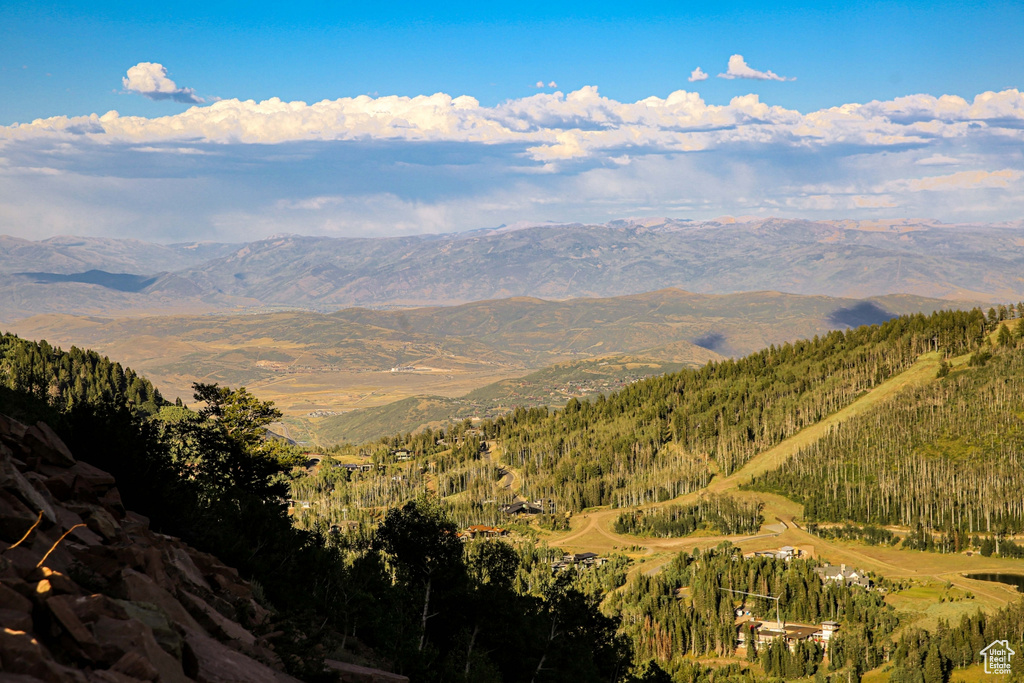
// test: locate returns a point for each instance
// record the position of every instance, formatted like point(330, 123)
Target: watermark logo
point(997, 656)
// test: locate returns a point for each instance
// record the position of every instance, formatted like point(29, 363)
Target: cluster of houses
point(484, 447)
point(827, 573)
point(315, 461)
point(578, 560)
point(765, 632)
point(357, 466)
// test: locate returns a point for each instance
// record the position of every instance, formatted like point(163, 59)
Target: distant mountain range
point(836, 258)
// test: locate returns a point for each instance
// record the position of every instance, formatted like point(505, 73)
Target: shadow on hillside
point(122, 282)
point(861, 313)
point(712, 341)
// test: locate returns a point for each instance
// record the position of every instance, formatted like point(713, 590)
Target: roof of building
point(800, 631)
point(522, 507)
point(832, 571)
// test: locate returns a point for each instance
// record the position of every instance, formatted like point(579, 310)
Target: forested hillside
point(931, 656)
point(666, 436)
point(722, 514)
point(688, 609)
point(65, 379)
point(940, 455)
point(948, 456)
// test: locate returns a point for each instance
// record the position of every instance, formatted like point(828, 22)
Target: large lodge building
point(764, 632)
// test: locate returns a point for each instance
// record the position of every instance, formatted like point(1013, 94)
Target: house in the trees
point(523, 508)
point(587, 559)
point(483, 531)
point(764, 632)
point(842, 575)
point(785, 553)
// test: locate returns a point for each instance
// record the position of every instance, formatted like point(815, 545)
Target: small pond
point(1012, 579)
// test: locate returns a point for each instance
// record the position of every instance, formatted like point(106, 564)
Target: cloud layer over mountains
point(391, 165)
point(554, 126)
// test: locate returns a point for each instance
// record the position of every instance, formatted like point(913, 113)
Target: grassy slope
point(399, 417)
point(551, 386)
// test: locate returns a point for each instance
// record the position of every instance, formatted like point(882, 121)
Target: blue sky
point(191, 167)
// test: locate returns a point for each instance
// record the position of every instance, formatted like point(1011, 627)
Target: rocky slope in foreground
point(89, 593)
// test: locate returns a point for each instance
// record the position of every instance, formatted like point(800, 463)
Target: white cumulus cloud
point(697, 75)
point(149, 79)
point(578, 124)
point(439, 162)
point(738, 68)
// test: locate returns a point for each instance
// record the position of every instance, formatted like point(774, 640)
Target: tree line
point(719, 513)
point(70, 378)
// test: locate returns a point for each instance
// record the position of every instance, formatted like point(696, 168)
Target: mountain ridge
point(838, 258)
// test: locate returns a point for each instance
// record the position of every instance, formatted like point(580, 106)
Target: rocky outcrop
point(89, 593)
